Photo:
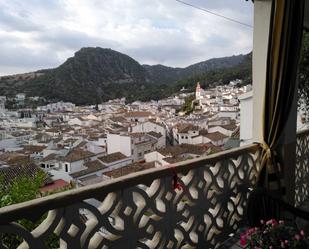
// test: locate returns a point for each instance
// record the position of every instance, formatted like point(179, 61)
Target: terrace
point(192, 204)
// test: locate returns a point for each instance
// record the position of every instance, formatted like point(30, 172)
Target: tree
point(20, 190)
point(188, 105)
point(23, 189)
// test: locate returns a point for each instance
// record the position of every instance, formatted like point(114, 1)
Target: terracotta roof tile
point(77, 154)
point(112, 157)
point(135, 167)
point(11, 173)
point(92, 167)
point(216, 136)
point(155, 134)
point(138, 114)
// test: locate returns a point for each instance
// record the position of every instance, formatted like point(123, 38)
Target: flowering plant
point(274, 235)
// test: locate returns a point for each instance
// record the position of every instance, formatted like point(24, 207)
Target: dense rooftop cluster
point(90, 144)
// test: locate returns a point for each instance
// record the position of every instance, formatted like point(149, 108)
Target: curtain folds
point(286, 27)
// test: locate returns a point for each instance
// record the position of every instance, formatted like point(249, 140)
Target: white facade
point(155, 157)
point(57, 107)
point(148, 126)
point(119, 143)
point(131, 146)
point(19, 122)
point(246, 118)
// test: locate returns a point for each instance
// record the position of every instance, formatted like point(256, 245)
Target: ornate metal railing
point(302, 168)
point(143, 210)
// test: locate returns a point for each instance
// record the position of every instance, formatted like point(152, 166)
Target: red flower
point(243, 239)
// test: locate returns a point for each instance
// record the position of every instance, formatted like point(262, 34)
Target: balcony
point(193, 204)
point(143, 210)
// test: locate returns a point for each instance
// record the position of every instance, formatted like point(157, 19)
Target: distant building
point(2, 103)
point(20, 97)
point(134, 145)
point(246, 118)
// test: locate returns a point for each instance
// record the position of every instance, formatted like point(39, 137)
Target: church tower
point(198, 91)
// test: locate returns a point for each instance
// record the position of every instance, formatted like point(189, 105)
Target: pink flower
point(262, 222)
point(243, 239)
point(297, 237)
point(302, 233)
point(281, 222)
point(274, 222)
point(271, 222)
point(250, 231)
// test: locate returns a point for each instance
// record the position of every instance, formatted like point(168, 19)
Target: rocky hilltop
point(97, 74)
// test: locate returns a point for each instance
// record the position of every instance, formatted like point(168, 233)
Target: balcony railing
point(143, 210)
point(302, 168)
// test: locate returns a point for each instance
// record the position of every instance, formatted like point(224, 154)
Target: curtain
point(286, 27)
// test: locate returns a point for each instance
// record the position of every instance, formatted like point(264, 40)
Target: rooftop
point(117, 156)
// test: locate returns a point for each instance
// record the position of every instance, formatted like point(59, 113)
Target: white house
point(96, 168)
point(148, 126)
point(246, 118)
point(134, 145)
point(138, 116)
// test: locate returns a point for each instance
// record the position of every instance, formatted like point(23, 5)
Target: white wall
point(221, 130)
point(246, 118)
point(149, 126)
point(118, 164)
point(155, 157)
point(6, 144)
point(228, 114)
point(75, 166)
point(118, 143)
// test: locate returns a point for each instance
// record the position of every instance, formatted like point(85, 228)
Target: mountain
point(94, 75)
point(161, 74)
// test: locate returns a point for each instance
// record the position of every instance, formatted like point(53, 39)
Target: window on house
point(66, 167)
point(139, 154)
point(182, 137)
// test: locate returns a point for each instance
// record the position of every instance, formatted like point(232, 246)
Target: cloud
point(36, 34)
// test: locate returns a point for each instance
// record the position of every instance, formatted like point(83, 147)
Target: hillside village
point(89, 144)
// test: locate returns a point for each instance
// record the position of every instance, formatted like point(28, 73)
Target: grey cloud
point(14, 56)
point(157, 31)
point(181, 55)
point(60, 39)
point(16, 21)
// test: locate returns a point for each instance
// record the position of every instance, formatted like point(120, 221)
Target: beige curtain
point(282, 61)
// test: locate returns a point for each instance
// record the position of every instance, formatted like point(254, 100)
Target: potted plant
point(274, 235)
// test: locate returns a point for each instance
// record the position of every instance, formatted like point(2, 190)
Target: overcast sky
point(36, 34)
